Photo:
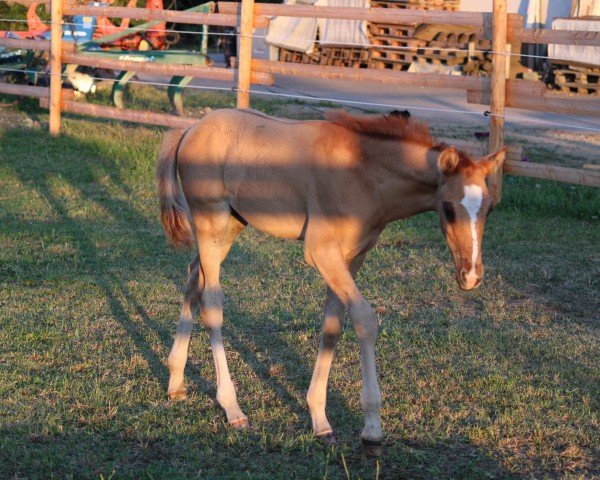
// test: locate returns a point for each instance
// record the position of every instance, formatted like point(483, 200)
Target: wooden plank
point(174, 16)
point(135, 116)
point(192, 18)
point(25, 43)
point(366, 75)
point(168, 69)
point(560, 37)
point(245, 54)
point(514, 165)
point(26, 3)
point(56, 15)
point(577, 176)
point(479, 149)
point(550, 102)
point(498, 93)
point(378, 15)
point(24, 90)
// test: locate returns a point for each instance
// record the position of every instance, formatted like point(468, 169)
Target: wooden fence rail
point(497, 91)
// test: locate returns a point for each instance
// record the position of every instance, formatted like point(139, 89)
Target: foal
point(334, 184)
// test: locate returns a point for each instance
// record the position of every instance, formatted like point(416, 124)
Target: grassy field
point(503, 382)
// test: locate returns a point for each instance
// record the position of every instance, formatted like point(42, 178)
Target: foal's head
point(463, 204)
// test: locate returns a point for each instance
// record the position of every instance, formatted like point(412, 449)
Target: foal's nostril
point(463, 275)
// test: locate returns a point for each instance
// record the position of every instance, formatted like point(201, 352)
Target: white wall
point(537, 13)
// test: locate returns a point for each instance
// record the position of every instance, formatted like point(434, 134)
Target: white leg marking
point(472, 203)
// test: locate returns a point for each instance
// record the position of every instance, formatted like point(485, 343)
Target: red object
point(35, 27)
point(156, 37)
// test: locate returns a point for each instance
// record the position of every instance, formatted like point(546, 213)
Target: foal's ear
point(448, 160)
point(492, 163)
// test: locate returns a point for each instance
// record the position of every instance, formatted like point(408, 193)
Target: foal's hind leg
point(316, 396)
point(179, 352)
point(216, 230)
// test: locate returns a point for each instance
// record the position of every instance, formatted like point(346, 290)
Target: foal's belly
point(271, 205)
point(272, 217)
point(267, 187)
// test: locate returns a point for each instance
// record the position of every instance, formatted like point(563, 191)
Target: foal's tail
point(174, 212)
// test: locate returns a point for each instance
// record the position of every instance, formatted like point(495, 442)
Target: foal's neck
point(407, 180)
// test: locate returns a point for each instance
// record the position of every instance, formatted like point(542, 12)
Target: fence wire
point(324, 99)
point(368, 46)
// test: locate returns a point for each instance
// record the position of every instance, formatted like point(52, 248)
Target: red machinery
point(155, 38)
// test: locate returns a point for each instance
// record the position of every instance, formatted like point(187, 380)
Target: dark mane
point(392, 126)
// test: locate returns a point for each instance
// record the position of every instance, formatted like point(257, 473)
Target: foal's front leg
point(330, 263)
point(316, 396)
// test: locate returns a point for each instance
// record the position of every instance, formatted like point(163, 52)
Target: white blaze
point(472, 203)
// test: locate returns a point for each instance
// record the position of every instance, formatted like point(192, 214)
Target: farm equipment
point(97, 37)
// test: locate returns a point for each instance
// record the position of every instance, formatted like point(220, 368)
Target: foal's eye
point(448, 211)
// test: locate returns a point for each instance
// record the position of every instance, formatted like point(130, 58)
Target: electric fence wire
point(354, 103)
point(369, 46)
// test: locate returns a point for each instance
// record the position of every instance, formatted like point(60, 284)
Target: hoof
point(240, 423)
point(177, 395)
point(327, 439)
point(372, 448)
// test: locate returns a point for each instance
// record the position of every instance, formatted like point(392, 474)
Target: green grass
point(499, 383)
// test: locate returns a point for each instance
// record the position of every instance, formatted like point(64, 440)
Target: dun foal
point(335, 184)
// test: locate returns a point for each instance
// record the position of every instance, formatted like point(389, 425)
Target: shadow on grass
point(458, 458)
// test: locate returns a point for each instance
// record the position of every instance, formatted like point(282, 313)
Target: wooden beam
point(24, 90)
point(559, 37)
point(367, 75)
point(380, 15)
point(498, 92)
point(577, 176)
point(192, 18)
point(549, 102)
point(174, 16)
point(56, 15)
point(479, 149)
point(135, 116)
point(26, 3)
point(514, 165)
point(244, 69)
point(25, 43)
point(168, 69)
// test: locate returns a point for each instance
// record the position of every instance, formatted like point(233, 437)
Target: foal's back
point(272, 172)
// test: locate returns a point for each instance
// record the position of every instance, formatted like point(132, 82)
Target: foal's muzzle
point(468, 280)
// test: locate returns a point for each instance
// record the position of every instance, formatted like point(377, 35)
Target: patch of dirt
point(10, 118)
point(591, 138)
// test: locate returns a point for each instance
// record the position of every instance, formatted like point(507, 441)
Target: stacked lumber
point(395, 47)
point(328, 55)
point(455, 45)
point(417, 4)
point(577, 78)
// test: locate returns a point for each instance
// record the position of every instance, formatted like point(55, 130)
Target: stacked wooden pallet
point(328, 55)
point(418, 4)
point(455, 45)
point(395, 47)
point(577, 78)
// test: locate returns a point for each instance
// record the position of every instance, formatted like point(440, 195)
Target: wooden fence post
point(245, 53)
point(499, 19)
point(55, 65)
